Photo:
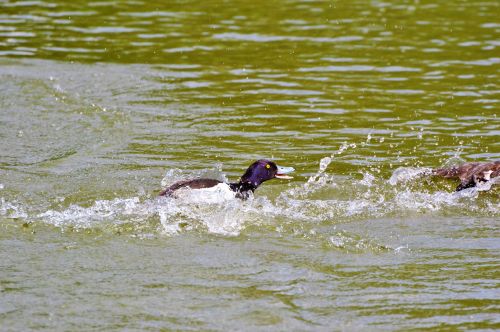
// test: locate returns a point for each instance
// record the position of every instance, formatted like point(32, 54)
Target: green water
point(103, 103)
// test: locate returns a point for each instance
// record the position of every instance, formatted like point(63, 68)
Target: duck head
point(263, 170)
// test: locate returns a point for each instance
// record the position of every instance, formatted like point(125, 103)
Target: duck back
point(192, 184)
point(470, 174)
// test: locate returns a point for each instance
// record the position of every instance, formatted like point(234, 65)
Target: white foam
point(323, 198)
point(100, 212)
point(12, 210)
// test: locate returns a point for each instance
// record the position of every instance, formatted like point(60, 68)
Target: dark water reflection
point(101, 100)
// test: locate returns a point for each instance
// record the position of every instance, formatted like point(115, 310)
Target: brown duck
point(470, 174)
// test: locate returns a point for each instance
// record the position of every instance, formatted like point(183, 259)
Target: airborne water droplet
point(323, 164)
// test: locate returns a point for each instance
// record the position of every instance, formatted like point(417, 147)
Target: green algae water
point(103, 103)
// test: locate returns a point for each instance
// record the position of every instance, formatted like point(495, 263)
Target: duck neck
point(242, 189)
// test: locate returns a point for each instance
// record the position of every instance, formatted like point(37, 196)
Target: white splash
point(323, 199)
point(217, 194)
point(406, 174)
point(320, 179)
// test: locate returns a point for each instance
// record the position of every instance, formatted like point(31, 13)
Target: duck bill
point(283, 171)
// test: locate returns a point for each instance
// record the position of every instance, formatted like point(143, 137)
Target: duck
point(471, 174)
point(258, 172)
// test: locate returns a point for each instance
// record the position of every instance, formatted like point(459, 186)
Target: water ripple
point(256, 37)
point(360, 68)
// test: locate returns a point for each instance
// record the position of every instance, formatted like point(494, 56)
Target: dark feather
point(193, 184)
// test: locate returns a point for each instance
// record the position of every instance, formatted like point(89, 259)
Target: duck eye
point(268, 166)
